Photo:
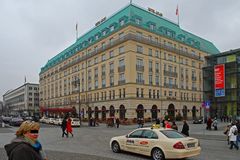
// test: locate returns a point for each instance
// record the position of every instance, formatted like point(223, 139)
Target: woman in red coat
point(69, 126)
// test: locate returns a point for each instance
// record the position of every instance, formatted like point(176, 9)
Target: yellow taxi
point(159, 143)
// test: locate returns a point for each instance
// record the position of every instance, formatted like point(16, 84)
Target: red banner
point(219, 73)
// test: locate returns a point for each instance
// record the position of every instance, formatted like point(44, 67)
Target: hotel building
point(134, 64)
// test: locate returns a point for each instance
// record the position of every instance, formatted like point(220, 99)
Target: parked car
point(159, 143)
point(16, 121)
point(198, 120)
point(28, 118)
point(51, 120)
point(6, 119)
point(75, 122)
point(58, 121)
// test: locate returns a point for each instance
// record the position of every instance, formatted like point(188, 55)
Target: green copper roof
point(129, 15)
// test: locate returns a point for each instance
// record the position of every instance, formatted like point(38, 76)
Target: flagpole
point(76, 31)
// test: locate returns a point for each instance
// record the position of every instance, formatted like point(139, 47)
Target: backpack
point(235, 132)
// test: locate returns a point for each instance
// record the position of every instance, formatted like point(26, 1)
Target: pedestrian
point(26, 145)
point(215, 124)
point(167, 124)
point(163, 122)
point(233, 136)
point(157, 121)
point(209, 123)
point(64, 126)
point(69, 126)
point(185, 128)
point(117, 122)
point(174, 126)
point(226, 132)
point(238, 127)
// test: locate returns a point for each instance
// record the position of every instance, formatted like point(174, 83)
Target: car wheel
point(115, 147)
point(157, 154)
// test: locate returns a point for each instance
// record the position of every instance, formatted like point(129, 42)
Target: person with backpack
point(233, 136)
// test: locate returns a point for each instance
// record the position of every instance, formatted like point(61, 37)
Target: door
point(133, 140)
point(148, 141)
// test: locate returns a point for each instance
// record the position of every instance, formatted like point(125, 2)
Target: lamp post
point(77, 83)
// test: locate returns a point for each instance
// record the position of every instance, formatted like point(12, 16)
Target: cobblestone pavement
point(93, 143)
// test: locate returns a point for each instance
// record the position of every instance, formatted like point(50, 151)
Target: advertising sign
point(219, 76)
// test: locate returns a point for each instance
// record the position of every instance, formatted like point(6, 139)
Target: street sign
point(207, 104)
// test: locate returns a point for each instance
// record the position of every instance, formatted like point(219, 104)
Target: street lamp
point(77, 83)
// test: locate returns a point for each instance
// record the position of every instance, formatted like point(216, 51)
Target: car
point(42, 120)
point(157, 142)
point(198, 120)
point(51, 121)
point(16, 121)
point(58, 121)
point(75, 122)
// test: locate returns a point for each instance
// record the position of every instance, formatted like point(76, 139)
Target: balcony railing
point(139, 81)
point(168, 85)
point(169, 73)
point(133, 37)
point(121, 82)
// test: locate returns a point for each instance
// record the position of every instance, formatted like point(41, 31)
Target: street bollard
point(3, 124)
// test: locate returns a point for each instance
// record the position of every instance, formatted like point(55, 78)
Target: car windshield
point(172, 134)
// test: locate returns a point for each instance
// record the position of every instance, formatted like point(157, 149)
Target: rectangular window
point(157, 53)
point(103, 57)
point(139, 49)
point(111, 28)
point(121, 77)
point(124, 93)
point(137, 92)
point(150, 80)
point(120, 93)
point(142, 95)
point(111, 54)
point(139, 62)
point(138, 21)
point(121, 63)
point(150, 52)
point(121, 49)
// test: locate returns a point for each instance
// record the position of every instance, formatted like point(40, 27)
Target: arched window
point(122, 112)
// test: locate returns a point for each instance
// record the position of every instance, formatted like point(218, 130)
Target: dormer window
point(104, 33)
point(137, 20)
point(96, 37)
point(111, 28)
point(122, 22)
point(152, 27)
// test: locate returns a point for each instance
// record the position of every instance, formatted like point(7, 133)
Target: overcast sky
point(33, 31)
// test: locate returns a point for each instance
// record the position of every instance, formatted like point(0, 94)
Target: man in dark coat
point(185, 129)
point(64, 126)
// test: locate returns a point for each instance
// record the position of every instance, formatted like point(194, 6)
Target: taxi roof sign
point(155, 126)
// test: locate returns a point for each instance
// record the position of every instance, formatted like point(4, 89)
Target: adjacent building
point(1, 107)
point(23, 100)
point(222, 83)
point(134, 64)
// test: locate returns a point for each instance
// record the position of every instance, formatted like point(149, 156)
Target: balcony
point(121, 69)
point(120, 82)
point(140, 68)
point(139, 81)
point(170, 74)
point(168, 85)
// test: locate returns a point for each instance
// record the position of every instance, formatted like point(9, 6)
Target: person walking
point(117, 122)
point(69, 126)
point(167, 124)
point(226, 132)
point(64, 126)
point(215, 123)
point(209, 123)
point(233, 136)
point(185, 129)
point(174, 126)
point(26, 145)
